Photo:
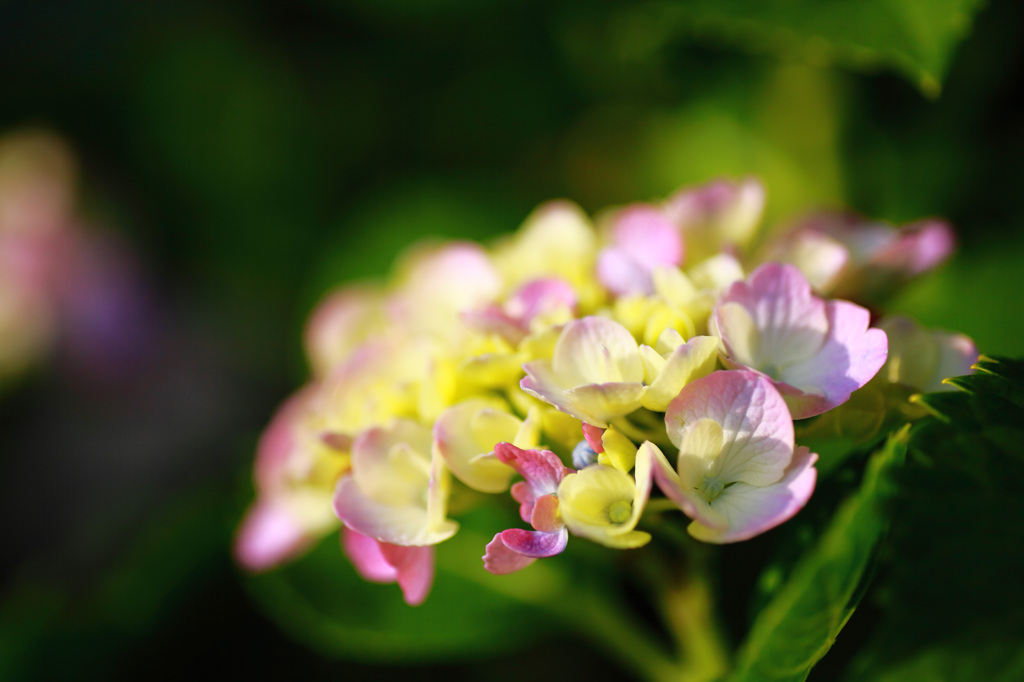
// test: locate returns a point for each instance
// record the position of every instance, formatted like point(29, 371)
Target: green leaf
point(1004, 378)
point(917, 38)
point(951, 600)
point(799, 625)
point(321, 601)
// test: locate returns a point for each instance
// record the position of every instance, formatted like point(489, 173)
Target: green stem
point(659, 505)
point(690, 613)
point(638, 434)
point(688, 607)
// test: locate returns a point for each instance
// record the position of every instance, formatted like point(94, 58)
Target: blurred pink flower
point(380, 562)
point(849, 257)
point(720, 215)
point(534, 300)
point(642, 239)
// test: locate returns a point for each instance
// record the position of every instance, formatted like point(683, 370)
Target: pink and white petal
point(851, 356)
point(365, 554)
point(792, 323)
point(514, 549)
point(802, 404)
point(756, 426)
point(269, 536)
point(414, 570)
point(621, 275)
point(406, 525)
point(751, 510)
point(595, 350)
point(598, 403)
point(864, 239)
point(820, 257)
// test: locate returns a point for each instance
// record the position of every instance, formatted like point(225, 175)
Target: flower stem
point(688, 607)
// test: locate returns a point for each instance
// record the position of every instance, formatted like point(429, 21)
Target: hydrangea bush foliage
point(664, 366)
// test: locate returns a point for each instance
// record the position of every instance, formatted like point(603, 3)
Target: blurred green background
point(257, 153)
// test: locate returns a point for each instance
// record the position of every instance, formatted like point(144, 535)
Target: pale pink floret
point(738, 473)
point(821, 258)
point(922, 358)
point(515, 548)
point(441, 284)
point(411, 567)
point(717, 216)
point(339, 324)
point(513, 319)
point(271, 532)
point(917, 247)
point(642, 239)
point(815, 352)
point(269, 536)
point(911, 249)
point(397, 491)
point(878, 257)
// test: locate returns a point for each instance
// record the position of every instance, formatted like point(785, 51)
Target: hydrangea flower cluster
point(63, 284)
point(656, 352)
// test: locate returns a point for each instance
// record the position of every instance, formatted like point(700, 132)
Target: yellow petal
point(600, 503)
point(701, 446)
point(735, 322)
point(693, 360)
point(464, 436)
point(620, 450)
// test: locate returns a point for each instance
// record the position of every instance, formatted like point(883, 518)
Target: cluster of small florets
point(653, 350)
point(61, 284)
